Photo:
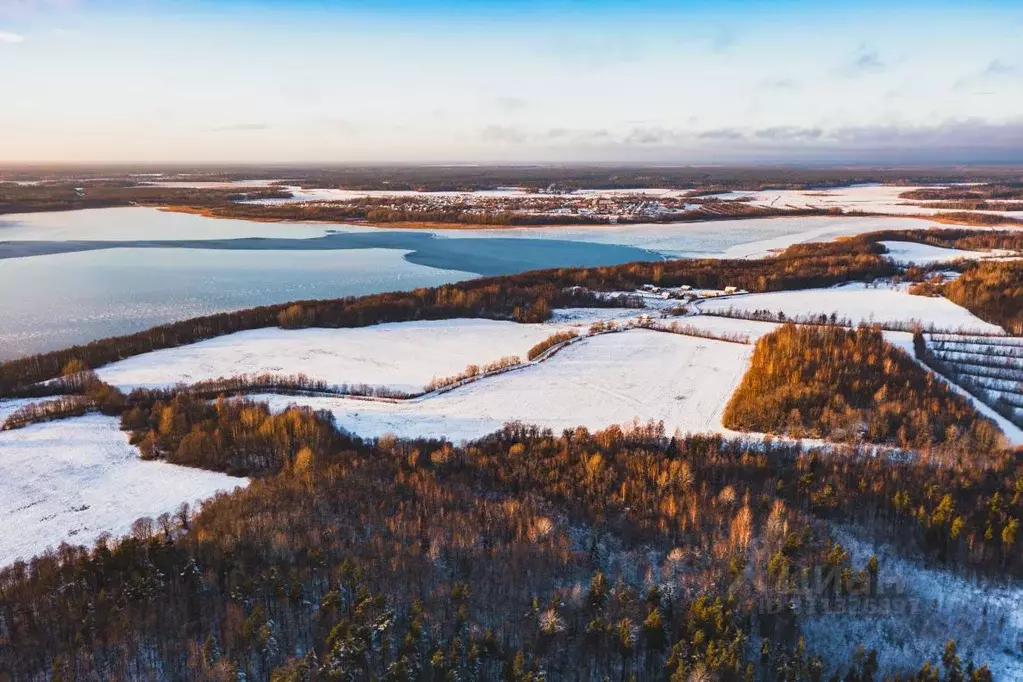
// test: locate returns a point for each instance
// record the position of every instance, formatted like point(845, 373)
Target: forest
point(525, 555)
point(973, 192)
point(850, 385)
point(970, 218)
point(992, 291)
point(976, 205)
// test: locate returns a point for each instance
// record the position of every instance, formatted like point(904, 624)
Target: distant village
point(611, 208)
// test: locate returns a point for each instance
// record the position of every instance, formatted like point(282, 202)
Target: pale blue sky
point(511, 81)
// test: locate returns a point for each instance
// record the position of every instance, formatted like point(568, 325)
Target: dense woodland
point(988, 191)
point(850, 385)
point(528, 297)
point(523, 556)
point(992, 291)
point(976, 205)
point(970, 218)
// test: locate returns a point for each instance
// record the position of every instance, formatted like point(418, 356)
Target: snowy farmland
point(905, 253)
point(403, 355)
point(604, 380)
point(858, 303)
point(868, 198)
point(73, 480)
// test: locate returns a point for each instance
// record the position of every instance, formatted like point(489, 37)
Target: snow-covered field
point(73, 480)
point(403, 355)
point(752, 329)
point(925, 254)
point(870, 198)
point(860, 303)
point(9, 406)
point(582, 318)
point(604, 380)
point(985, 618)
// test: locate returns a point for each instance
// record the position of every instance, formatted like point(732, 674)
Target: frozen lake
point(73, 277)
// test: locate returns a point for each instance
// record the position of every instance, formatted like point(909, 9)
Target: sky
point(644, 81)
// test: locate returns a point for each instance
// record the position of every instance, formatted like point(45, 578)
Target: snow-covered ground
point(403, 356)
point(604, 380)
point(860, 303)
point(752, 329)
point(985, 618)
point(925, 254)
point(582, 318)
point(869, 198)
point(9, 406)
point(73, 480)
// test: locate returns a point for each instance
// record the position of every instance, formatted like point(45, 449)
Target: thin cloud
point(789, 133)
point(781, 84)
point(721, 134)
point(15, 7)
point(995, 71)
point(510, 103)
point(503, 135)
point(724, 41)
point(999, 68)
point(238, 128)
point(11, 38)
point(865, 61)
